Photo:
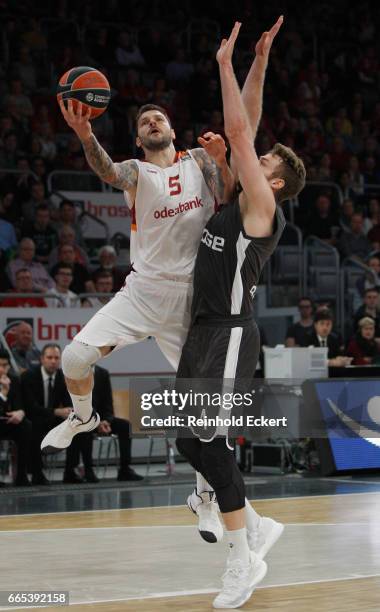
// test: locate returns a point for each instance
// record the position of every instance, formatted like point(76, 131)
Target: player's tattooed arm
point(122, 175)
point(213, 164)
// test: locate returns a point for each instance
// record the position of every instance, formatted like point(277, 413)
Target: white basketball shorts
point(143, 307)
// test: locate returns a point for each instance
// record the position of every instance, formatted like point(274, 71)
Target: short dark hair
point(305, 298)
point(371, 289)
point(22, 270)
point(323, 315)
point(102, 274)
point(66, 203)
point(42, 207)
point(4, 354)
point(50, 345)
point(62, 266)
point(147, 107)
point(292, 170)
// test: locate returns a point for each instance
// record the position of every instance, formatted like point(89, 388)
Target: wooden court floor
point(334, 593)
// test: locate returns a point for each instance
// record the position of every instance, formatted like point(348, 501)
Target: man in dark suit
point(103, 404)
point(13, 424)
point(47, 402)
point(323, 336)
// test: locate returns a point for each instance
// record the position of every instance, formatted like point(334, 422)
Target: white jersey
point(172, 206)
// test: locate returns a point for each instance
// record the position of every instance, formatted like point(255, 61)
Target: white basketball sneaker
point(60, 437)
point(239, 582)
point(204, 505)
point(261, 540)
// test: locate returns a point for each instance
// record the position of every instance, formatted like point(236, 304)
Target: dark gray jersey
point(229, 264)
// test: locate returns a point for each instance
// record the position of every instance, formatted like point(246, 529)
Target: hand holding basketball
point(78, 122)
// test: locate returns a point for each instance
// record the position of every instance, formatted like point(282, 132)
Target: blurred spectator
point(187, 140)
point(299, 333)
point(373, 218)
point(42, 232)
point(103, 284)
point(10, 152)
point(127, 52)
point(48, 149)
point(345, 184)
point(179, 69)
point(13, 424)
point(19, 99)
point(363, 347)
point(8, 238)
point(107, 260)
point(103, 404)
point(37, 198)
point(67, 216)
point(323, 336)
point(322, 220)
point(370, 171)
point(354, 243)
point(25, 67)
point(369, 308)
point(34, 36)
point(347, 210)
point(24, 284)
point(66, 237)
point(356, 178)
point(81, 278)
point(102, 48)
point(23, 350)
point(47, 403)
point(369, 281)
point(9, 209)
point(63, 276)
point(39, 165)
point(25, 260)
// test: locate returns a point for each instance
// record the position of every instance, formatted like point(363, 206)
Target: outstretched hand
point(78, 122)
point(226, 49)
point(214, 145)
point(263, 46)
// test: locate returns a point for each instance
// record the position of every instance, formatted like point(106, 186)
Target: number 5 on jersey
point(174, 185)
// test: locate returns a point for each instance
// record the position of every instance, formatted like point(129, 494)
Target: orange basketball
point(86, 85)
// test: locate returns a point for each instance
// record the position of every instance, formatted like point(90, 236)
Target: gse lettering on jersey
point(214, 242)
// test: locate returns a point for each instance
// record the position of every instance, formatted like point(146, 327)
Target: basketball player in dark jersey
point(223, 340)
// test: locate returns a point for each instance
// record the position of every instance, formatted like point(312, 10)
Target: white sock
point(82, 405)
point(238, 543)
point(202, 484)
point(251, 517)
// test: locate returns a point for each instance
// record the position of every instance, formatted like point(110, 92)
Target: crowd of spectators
point(37, 400)
point(316, 328)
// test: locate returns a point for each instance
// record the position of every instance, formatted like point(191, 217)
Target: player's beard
point(152, 144)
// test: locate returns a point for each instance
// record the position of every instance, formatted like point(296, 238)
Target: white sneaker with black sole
point(204, 505)
point(60, 437)
point(239, 582)
point(261, 540)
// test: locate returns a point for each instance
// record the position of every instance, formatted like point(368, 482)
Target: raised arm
point(252, 92)
point(257, 201)
point(211, 159)
point(120, 175)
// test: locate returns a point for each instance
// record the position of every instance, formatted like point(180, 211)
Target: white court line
point(76, 529)
point(367, 482)
point(203, 592)
point(167, 507)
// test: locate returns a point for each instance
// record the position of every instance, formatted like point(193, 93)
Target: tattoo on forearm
point(122, 176)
